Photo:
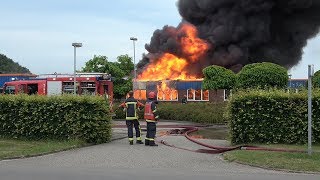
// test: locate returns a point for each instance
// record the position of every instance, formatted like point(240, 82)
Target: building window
point(198, 95)
point(190, 94)
point(140, 94)
point(205, 95)
point(168, 95)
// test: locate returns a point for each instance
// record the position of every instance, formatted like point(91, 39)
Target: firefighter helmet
point(151, 95)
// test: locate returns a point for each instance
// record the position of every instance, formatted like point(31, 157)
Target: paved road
point(118, 160)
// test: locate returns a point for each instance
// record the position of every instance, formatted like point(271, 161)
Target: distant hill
point(7, 65)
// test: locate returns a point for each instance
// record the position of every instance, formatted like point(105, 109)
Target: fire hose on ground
point(186, 130)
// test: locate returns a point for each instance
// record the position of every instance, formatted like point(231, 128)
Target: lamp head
point(133, 39)
point(77, 44)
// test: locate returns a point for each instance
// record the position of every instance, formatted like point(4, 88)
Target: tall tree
point(7, 65)
point(96, 64)
point(125, 63)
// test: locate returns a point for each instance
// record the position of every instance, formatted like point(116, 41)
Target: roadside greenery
point(272, 116)
point(13, 148)
point(65, 117)
point(279, 160)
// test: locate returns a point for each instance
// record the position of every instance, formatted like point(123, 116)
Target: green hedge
point(274, 116)
point(63, 117)
point(200, 112)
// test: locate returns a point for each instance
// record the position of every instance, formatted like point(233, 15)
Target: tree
point(316, 79)
point(263, 75)
point(125, 63)
point(7, 65)
point(216, 77)
point(96, 64)
point(121, 72)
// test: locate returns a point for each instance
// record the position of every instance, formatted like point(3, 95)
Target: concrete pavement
point(118, 160)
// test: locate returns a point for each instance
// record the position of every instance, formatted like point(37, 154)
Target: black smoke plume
point(241, 32)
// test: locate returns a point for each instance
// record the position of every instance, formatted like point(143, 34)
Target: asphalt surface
point(119, 160)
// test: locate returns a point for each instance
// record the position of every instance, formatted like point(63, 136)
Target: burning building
point(176, 90)
point(169, 75)
point(228, 33)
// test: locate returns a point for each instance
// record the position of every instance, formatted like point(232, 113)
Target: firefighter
point(184, 100)
point(151, 116)
point(131, 105)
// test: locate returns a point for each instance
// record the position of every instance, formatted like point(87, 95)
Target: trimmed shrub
point(57, 117)
point(206, 113)
point(316, 79)
point(272, 117)
point(216, 77)
point(263, 75)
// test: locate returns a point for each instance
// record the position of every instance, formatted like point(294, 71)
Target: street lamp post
point(75, 45)
point(133, 39)
point(310, 74)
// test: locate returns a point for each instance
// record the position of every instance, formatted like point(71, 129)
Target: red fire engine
point(57, 84)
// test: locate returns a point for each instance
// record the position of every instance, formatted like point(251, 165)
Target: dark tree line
point(7, 65)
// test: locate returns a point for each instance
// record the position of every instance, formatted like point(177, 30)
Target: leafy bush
point(63, 117)
point(216, 77)
point(207, 113)
point(272, 117)
point(316, 79)
point(263, 75)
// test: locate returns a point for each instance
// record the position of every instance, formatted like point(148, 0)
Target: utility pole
point(75, 45)
point(310, 74)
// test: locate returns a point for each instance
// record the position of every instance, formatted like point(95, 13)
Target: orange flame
point(165, 93)
point(171, 67)
point(193, 46)
point(167, 67)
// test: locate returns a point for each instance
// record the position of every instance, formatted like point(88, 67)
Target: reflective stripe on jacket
point(131, 113)
point(131, 106)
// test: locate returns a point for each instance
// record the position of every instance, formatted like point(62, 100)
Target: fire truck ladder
point(56, 75)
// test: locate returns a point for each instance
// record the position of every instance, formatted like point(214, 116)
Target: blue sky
point(38, 34)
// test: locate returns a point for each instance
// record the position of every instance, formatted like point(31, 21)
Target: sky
point(38, 34)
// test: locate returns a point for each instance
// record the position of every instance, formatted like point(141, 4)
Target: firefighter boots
point(131, 142)
point(146, 142)
point(152, 143)
point(139, 142)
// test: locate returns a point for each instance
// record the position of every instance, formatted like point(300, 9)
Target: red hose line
point(213, 149)
point(246, 147)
